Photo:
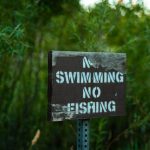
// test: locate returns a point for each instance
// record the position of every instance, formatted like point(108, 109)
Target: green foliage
point(28, 30)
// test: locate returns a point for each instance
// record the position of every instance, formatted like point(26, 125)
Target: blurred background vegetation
point(28, 30)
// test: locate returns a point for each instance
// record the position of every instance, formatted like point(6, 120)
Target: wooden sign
point(85, 85)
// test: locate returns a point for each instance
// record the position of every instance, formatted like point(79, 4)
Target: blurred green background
point(28, 30)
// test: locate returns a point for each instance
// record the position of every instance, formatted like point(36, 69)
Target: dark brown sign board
point(84, 85)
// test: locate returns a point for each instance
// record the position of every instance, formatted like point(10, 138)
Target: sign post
point(83, 134)
point(85, 85)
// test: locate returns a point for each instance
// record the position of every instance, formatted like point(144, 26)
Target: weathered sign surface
point(85, 85)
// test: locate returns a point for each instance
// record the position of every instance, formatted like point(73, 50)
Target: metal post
point(82, 134)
